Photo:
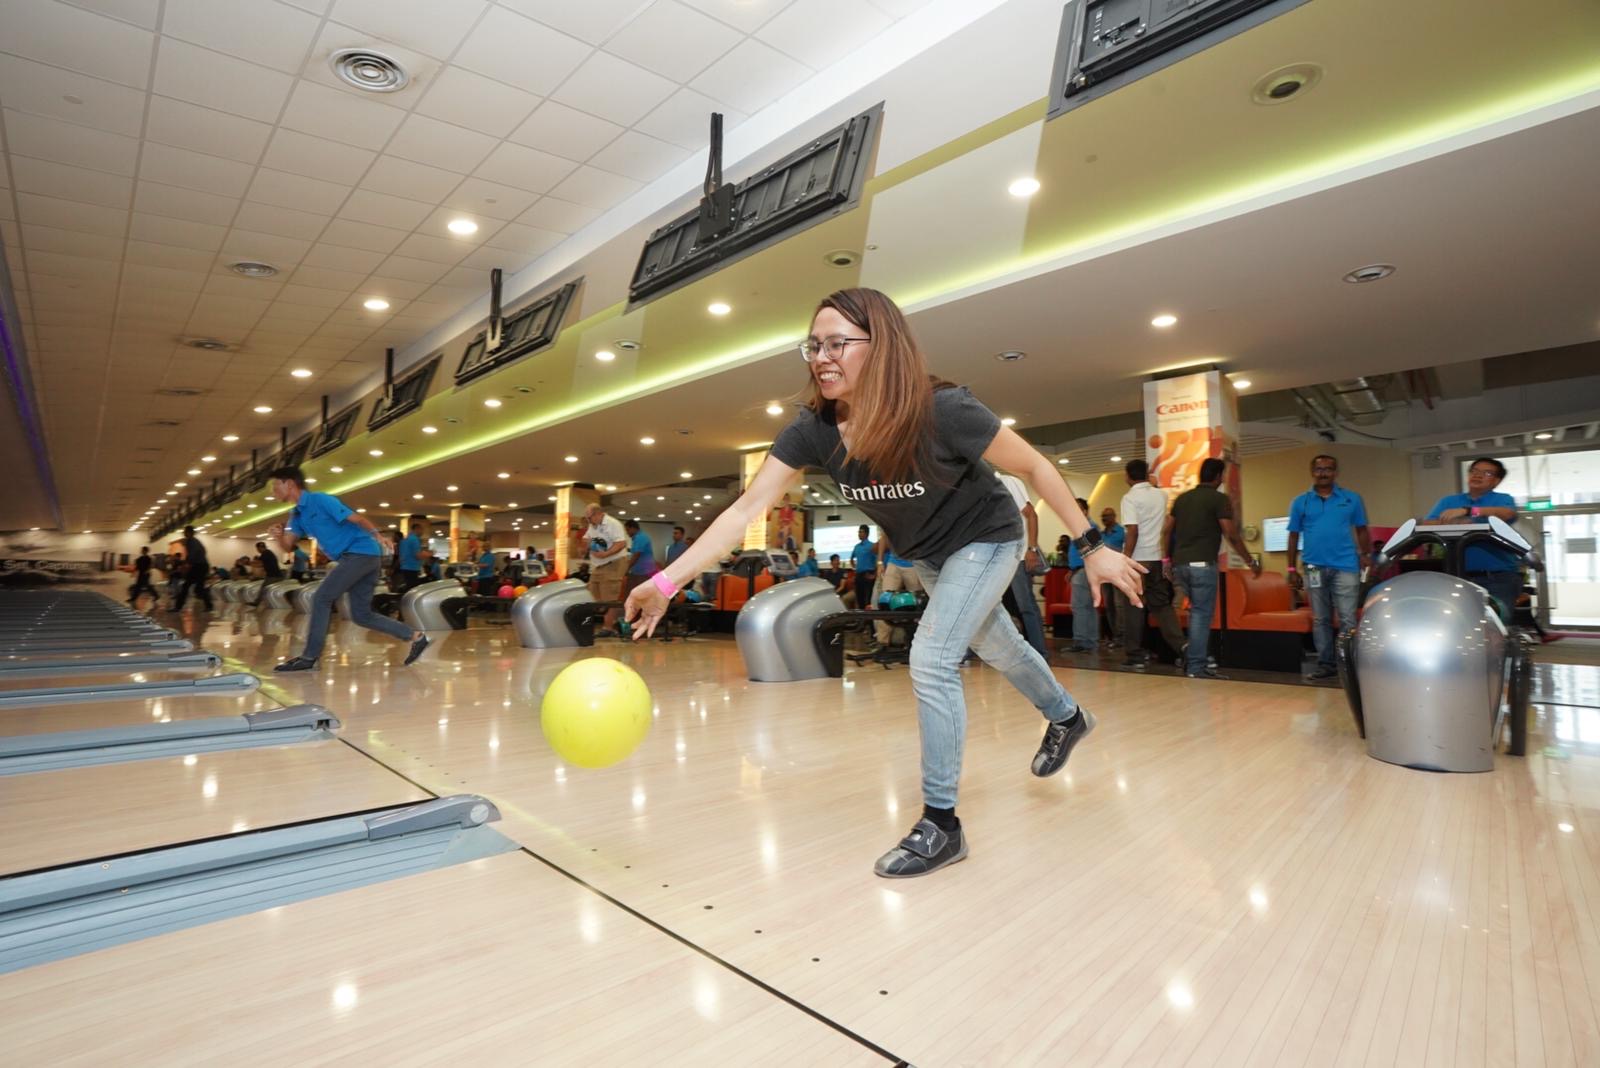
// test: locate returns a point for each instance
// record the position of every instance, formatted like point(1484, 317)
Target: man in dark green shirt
point(1200, 519)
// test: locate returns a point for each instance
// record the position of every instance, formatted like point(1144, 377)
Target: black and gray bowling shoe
point(925, 849)
point(1059, 738)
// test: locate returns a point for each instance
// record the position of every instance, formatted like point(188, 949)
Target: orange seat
point(1264, 603)
point(733, 590)
point(1057, 593)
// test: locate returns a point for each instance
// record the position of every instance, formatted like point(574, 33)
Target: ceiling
point(1465, 166)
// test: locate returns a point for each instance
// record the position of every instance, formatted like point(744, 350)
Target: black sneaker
point(416, 650)
point(925, 849)
point(298, 663)
point(1059, 738)
point(1206, 674)
point(1323, 671)
point(1139, 658)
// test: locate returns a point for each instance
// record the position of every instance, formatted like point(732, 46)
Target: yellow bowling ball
point(520, 590)
point(595, 712)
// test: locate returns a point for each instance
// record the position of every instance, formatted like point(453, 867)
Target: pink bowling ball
point(508, 592)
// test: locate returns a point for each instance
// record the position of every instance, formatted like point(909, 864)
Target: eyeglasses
point(833, 346)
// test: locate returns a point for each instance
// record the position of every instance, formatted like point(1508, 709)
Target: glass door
point(1569, 590)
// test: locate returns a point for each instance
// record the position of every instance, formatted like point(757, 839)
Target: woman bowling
point(917, 455)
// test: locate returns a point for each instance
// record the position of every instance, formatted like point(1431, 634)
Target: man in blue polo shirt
point(408, 557)
point(1490, 566)
point(864, 558)
point(1331, 521)
point(347, 538)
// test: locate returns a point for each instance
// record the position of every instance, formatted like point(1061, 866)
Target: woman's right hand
point(644, 608)
point(1123, 572)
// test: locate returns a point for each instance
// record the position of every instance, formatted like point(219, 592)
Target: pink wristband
point(664, 584)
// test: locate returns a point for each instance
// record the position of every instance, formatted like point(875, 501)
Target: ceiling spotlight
point(1011, 356)
point(1063, 461)
point(570, 459)
point(383, 504)
point(685, 474)
point(1008, 421)
point(774, 408)
point(230, 438)
point(1240, 383)
point(1372, 272)
point(368, 70)
point(193, 471)
point(337, 470)
point(1116, 459)
point(172, 493)
point(708, 496)
point(253, 269)
point(503, 474)
point(1164, 320)
point(430, 430)
point(492, 402)
point(1023, 187)
point(647, 441)
point(375, 304)
point(605, 355)
point(611, 489)
point(416, 496)
point(660, 498)
point(263, 409)
point(1285, 83)
point(513, 504)
point(180, 485)
point(1543, 435)
point(717, 307)
point(451, 489)
point(462, 227)
point(300, 372)
point(551, 497)
point(627, 344)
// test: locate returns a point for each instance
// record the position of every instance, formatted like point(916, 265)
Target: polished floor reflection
point(1221, 876)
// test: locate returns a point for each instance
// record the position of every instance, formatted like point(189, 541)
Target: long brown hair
point(891, 406)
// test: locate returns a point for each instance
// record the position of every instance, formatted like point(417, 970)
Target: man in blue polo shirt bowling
point(1328, 529)
point(1490, 566)
point(351, 541)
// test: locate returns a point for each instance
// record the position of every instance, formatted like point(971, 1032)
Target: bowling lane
point(78, 814)
point(29, 680)
point(498, 961)
point(126, 712)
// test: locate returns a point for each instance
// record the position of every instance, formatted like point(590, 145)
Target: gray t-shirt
point(952, 501)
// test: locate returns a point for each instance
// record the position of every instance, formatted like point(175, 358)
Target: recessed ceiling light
point(1116, 459)
point(1164, 320)
point(461, 226)
point(1543, 435)
point(1008, 421)
point(230, 437)
point(503, 474)
point(492, 402)
point(300, 372)
point(605, 355)
point(708, 496)
point(1063, 461)
point(659, 515)
point(633, 502)
point(1023, 187)
point(685, 474)
point(180, 485)
point(1240, 383)
point(570, 459)
point(194, 471)
point(647, 441)
point(263, 409)
point(660, 498)
point(1372, 272)
point(172, 493)
point(207, 459)
point(1285, 83)
point(717, 307)
point(1011, 356)
point(337, 470)
point(383, 504)
point(416, 496)
point(368, 70)
point(451, 489)
point(513, 504)
point(774, 408)
point(375, 304)
point(430, 430)
point(374, 452)
point(253, 269)
point(611, 489)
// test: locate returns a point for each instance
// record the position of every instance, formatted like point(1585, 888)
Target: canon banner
point(1188, 420)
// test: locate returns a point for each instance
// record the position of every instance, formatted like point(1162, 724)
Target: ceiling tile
point(362, 235)
point(478, 103)
point(613, 89)
point(61, 265)
point(342, 259)
point(819, 33)
point(272, 219)
point(309, 296)
point(78, 40)
point(217, 81)
point(563, 216)
point(317, 157)
point(182, 233)
point(71, 242)
point(475, 196)
point(402, 288)
point(163, 278)
point(43, 90)
point(232, 285)
point(286, 313)
point(62, 142)
point(900, 8)
point(266, 33)
point(592, 20)
point(521, 52)
point(639, 157)
point(530, 240)
point(193, 170)
point(564, 131)
point(507, 260)
point(745, 15)
point(382, 209)
point(524, 168)
point(433, 249)
point(684, 119)
point(426, 25)
point(750, 77)
point(144, 13)
point(158, 199)
point(339, 116)
point(323, 278)
point(437, 225)
point(70, 183)
point(672, 40)
point(440, 144)
point(297, 191)
point(158, 255)
point(185, 125)
point(281, 252)
point(596, 188)
point(403, 178)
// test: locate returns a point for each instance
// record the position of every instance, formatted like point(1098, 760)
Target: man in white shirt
point(1144, 516)
point(608, 555)
point(1022, 600)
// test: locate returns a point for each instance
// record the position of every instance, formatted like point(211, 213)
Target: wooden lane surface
point(1222, 876)
point(500, 961)
point(127, 712)
point(56, 817)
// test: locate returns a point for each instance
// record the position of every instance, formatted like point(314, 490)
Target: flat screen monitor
point(1275, 534)
point(839, 539)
